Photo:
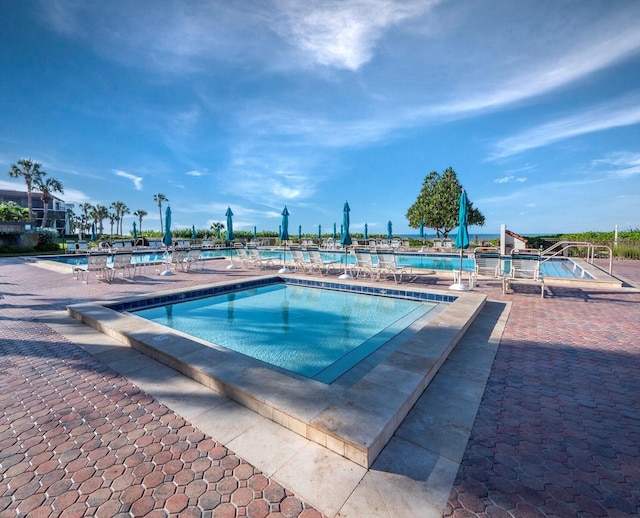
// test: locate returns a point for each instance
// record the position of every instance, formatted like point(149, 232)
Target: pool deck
point(534, 413)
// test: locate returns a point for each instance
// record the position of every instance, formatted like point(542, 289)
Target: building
point(57, 216)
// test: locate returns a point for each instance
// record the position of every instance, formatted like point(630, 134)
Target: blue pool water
point(315, 332)
point(560, 267)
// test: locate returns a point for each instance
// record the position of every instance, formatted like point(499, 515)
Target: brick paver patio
point(556, 433)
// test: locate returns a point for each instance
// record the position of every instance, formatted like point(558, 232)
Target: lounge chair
point(487, 262)
point(525, 269)
point(364, 263)
point(257, 259)
point(437, 244)
point(317, 262)
point(193, 258)
point(96, 263)
point(387, 265)
point(72, 246)
point(177, 258)
point(82, 247)
point(121, 263)
point(299, 261)
point(243, 255)
point(447, 244)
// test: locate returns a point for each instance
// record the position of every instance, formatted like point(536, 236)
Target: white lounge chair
point(299, 261)
point(96, 263)
point(525, 269)
point(177, 258)
point(72, 246)
point(194, 258)
point(387, 265)
point(317, 262)
point(487, 262)
point(257, 259)
point(364, 263)
point(121, 263)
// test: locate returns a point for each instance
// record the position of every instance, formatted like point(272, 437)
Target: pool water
point(561, 268)
point(313, 332)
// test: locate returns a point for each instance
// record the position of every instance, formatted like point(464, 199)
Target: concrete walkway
point(112, 432)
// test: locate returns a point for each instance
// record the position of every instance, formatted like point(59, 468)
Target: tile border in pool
point(355, 416)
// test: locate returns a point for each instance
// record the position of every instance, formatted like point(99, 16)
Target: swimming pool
point(355, 415)
point(308, 330)
point(562, 268)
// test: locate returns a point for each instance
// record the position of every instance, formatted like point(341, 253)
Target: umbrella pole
point(232, 266)
point(459, 286)
point(346, 274)
point(284, 268)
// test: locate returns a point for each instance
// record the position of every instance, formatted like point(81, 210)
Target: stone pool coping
point(354, 416)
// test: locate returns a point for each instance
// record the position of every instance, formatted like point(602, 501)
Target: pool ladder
point(559, 249)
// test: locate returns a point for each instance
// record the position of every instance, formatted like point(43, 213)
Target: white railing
point(559, 248)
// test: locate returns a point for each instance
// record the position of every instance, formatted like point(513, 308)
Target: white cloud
point(343, 34)
point(195, 172)
point(620, 112)
point(620, 164)
point(508, 179)
point(137, 180)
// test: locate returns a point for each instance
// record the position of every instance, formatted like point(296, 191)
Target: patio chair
point(194, 258)
point(177, 258)
point(82, 247)
point(72, 246)
point(317, 262)
point(487, 262)
point(299, 261)
point(364, 263)
point(257, 259)
point(387, 265)
point(121, 263)
point(525, 269)
point(96, 263)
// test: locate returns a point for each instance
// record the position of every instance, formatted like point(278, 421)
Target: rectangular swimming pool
point(357, 413)
point(307, 330)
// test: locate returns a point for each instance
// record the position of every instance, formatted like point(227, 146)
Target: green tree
point(159, 198)
point(437, 204)
point(112, 219)
point(47, 187)
point(11, 211)
point(86, 209)
point(99, 214)
point(140, 214)
point(30, 171)
point(217, 227)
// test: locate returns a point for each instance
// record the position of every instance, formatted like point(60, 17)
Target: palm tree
point(86, 208)
point(112, 220)
point(217, 227)
point(101, 213)
point(30, 171)
point(46, 187)
point(159, 198)
point(124, 210)
point(140, 214)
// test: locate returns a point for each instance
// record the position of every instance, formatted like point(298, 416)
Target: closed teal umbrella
point(255, 233)
point(284, 236)
point(319, 232)
point(94, 237)
point(166, 239)
point(389, 230)
point(421, 229)
point(335, 233)
point(299, 231)
point(230, 237)
point(366, 232)
point(345, 238)
point(462, 237)
point(135, 231)
point(194, 234)
point(167, 228)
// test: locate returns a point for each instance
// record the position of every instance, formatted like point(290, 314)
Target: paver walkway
point(556, 433)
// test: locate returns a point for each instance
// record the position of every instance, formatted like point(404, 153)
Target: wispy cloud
point(620, 164)
point(508, 179)
point(343, 34)
point(195, 173)
point(137, 180)
point(620, 112)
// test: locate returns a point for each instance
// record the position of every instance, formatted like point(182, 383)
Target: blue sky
point(261, 104)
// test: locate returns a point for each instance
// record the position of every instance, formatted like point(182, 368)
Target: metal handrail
point(566, 245)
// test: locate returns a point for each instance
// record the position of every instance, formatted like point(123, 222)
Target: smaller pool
point(314, 332)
